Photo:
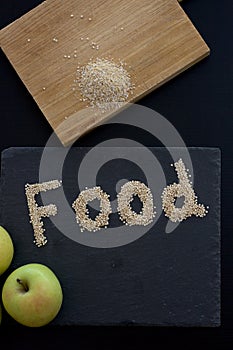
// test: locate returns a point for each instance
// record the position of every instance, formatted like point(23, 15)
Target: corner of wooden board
point(25, 15)
point(206, 52)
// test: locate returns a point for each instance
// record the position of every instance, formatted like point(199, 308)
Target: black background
point(199, 103)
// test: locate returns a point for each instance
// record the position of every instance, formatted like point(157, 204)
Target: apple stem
point(23, 284)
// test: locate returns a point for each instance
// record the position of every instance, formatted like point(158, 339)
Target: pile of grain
point(104, 84)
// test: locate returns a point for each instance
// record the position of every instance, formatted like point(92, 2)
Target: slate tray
point(160, 279)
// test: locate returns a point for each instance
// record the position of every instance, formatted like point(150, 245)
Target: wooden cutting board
point(155, 39)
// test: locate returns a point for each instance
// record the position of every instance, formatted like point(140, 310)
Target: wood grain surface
point(155, 39)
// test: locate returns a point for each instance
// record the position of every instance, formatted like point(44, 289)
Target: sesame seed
point(28, 40)
point(82, 16)
point(71, 15)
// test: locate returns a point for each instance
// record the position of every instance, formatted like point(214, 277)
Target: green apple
point(32, 295)
point(6, 250)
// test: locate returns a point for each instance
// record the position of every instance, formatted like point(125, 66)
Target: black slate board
point(159, 279)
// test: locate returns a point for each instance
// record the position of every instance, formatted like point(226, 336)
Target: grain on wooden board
point(158, 40)
point(104, 83)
